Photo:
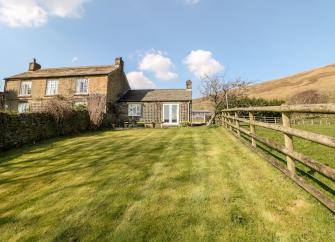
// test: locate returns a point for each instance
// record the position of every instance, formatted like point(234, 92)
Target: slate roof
point(66, 72)
point(152, 95)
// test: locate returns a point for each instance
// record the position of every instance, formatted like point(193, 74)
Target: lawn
point(319, 152)
point(178, 184)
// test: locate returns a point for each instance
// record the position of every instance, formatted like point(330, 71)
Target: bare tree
point(96, 107)
point(59, 109)
point(218, 91)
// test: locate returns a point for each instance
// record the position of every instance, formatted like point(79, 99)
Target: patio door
point(171, 114)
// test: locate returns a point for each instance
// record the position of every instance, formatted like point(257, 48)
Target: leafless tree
point(96, 107)
point(59, 109)
point(218, 91)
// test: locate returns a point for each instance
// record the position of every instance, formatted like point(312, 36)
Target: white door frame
point(170, 113)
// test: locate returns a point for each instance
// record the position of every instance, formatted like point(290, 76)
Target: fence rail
point(231, 120)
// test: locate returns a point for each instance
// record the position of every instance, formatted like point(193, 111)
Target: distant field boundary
point(231, 119)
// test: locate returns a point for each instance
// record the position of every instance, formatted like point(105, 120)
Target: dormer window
point(25, 89)
point(82, 86)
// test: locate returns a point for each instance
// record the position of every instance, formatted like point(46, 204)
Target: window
point(23, 107)
point(25, 88)
point(52, 87)
point(134, 109)
point(80, 104)
point(82, 86)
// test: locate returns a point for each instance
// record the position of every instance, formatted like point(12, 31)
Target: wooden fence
point(232, 121)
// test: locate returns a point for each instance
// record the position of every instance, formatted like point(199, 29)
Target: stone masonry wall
point(66, 89)
point(19, 129)
point(151, 112)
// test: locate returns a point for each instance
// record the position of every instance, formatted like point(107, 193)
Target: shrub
point(60, 110)
point(186, 124)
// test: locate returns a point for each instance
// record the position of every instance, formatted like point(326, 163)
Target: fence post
point(237, 125)
point(224, 119)
point(230, 122)
point(288, 143)
point(252, 128)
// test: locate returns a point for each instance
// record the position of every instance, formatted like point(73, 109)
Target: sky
point(165, 42)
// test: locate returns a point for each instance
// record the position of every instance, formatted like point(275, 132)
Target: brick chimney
point(34, 66)
point(189, 85)
point(119, 62)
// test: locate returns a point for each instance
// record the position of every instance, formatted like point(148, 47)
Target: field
point(177, 184)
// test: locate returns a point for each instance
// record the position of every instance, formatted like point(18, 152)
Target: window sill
point(24, 96)
point(51, 95)
point(81, 94)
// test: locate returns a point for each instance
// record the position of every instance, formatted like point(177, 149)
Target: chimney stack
point(119, 62)
point(189, 85)
point(34, 66)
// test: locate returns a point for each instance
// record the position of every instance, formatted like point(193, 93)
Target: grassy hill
point(321, 80)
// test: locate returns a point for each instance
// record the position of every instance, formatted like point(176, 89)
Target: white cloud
point(158, 63)
point(64, 8)
point(138, 80)
point(22, 13)
point(74, 59)
point(191, 2)
point(202, 62)
point(34, 13)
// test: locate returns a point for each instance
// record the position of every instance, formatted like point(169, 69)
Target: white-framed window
point(25, 89)
point(134, 109)
point(82, 86)
point(52, 87)
point(80, 104)
point(23, 108)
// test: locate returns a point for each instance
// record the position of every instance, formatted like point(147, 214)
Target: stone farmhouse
point(26, 92)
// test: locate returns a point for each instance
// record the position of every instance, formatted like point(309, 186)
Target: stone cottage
point(26, 92)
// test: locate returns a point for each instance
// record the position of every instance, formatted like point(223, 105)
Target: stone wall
point(66, 89)
point(19, 129)
point(2, 100)
point(151, 112)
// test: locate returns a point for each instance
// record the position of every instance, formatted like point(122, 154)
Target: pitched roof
point(151, 95)
point(66, 72)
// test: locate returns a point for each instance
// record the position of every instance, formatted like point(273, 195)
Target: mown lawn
point(321, 153)
point(178, 184)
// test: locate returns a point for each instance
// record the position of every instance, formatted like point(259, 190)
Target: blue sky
point(164, 43)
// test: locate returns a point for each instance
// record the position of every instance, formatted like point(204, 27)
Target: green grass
point(178, 184)
point(318, 152)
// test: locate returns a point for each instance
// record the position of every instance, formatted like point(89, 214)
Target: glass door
point(171, 114)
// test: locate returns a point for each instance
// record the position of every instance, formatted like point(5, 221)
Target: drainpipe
point(189, 111)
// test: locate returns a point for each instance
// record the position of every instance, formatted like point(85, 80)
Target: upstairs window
point(52, 87)
point(25, 88)
point(82, 86)
point(134, 109)
point(23, 108)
